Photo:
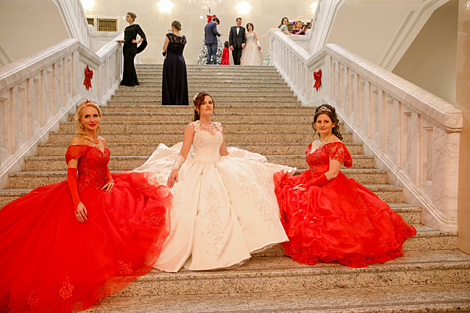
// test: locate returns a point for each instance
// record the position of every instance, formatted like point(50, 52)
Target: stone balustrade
point(37, 93)
point(413, 134)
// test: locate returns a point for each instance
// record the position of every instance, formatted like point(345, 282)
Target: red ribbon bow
point(210, 17)
point(317, 77)
point(88, 77)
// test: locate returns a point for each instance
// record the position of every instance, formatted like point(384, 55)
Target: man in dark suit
point(210, 38)
point(237, 40)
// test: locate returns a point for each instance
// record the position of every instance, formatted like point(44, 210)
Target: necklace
point(324, 141)
point(93, 141)
point(211, 127)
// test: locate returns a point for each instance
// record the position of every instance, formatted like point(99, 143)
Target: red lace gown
point(225, 57)
point(341, 221)
point(49, 262)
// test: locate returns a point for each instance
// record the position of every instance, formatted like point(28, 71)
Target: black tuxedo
point(236, 41)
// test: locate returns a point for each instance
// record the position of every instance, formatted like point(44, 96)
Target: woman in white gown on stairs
point(251, 54)
point(224, 205)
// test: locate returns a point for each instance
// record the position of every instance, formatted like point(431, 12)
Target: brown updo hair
point(331, 112)
point(198, 100)
point(252, 26)
point(79, 115)
point(176, 24)
point(132, 14)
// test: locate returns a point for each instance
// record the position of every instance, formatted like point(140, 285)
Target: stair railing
point(413, 134)
point(37, 93)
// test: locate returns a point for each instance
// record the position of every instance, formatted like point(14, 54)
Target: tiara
point(195, 96)
point(323, 108)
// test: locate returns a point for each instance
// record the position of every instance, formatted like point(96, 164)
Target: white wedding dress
point(224, 208)
point(251, 55)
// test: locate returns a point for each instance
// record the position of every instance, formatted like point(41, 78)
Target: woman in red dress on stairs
point(331, 218)
point(66, 245)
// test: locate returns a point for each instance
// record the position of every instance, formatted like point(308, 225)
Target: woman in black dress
point(175, 79)
point(129, 77)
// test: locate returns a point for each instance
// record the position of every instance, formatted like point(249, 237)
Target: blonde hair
point(79, 115)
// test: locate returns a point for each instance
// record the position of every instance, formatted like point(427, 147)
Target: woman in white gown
point(224, 205)
point(251, 54)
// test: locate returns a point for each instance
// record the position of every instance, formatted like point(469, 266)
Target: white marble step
point(282, 275)
point(389, 299)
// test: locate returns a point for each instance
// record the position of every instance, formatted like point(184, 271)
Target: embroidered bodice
point(206, 145)
point(319, 159)
point(250, 37)
point(92, 165)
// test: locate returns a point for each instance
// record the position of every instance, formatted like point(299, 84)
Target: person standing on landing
point(210, 37)
point(130, 49)
point(237, 40)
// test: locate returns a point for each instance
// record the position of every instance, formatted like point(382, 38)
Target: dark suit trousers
point(237, 54)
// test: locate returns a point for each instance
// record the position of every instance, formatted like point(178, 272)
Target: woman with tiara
point(331, 218)
point(67, 245)
point(224, 205)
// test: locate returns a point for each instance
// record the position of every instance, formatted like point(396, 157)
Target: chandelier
point(206, 4)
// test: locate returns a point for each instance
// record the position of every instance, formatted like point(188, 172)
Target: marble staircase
point(261, 114)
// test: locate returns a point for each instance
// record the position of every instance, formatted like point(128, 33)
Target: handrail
point(38, 92)
point(413, 133)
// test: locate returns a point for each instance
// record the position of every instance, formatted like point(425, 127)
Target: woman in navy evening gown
point(175, 80)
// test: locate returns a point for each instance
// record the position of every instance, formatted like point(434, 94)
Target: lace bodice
point(250, 37)
point(176, 44)
point(319, 159)
point(206, 145)
point(92, 165)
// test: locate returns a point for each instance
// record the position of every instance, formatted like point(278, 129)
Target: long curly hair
point(331, 112)
point(198, 100)
point(79, 115)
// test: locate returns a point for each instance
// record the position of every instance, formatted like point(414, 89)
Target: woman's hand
point(109, 186)
point(120, 41)
point(81, 213)
point(172, 178)
point(299, 187)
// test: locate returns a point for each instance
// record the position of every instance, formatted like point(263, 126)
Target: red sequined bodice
point(319, 160)
point(92, 165)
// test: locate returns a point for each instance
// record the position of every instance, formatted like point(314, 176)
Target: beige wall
point(370, 27)
point(463, 103)
point(265, 14)
point(29, 26)
point(430, 61)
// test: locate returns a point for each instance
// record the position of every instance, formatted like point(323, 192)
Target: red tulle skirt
point(49, 262)
point(341, 222)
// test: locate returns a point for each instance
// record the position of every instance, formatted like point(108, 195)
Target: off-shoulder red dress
point(340, 221)
point(49, 262)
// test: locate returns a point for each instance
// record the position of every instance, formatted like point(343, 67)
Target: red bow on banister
point(317, 77)
point(88, 77)
point(210, 17)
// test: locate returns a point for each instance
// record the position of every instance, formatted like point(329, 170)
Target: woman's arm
point(187, 142)
point(165, 44)
point(333, 169)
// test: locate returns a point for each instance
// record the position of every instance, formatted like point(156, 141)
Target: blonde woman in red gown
point(331, 218)
point(66, 245)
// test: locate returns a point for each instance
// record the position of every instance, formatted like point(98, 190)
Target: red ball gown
point(340, 221)
point(49, 262)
